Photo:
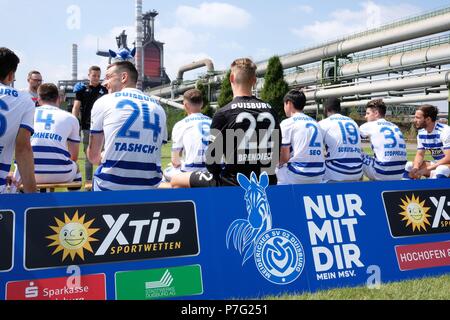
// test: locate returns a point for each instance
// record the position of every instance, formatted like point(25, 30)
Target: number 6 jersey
point(16, 111)
point(134, 126)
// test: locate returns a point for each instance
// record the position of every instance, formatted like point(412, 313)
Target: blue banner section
point(244, 242)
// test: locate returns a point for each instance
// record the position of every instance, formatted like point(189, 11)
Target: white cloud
point(345, 22)
point(214, 14)
point(304, 8)
point(181, 48)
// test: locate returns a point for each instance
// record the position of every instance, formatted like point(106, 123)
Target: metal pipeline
point(424, 25)
point(195, 65)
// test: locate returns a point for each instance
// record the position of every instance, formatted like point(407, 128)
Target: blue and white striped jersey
point(343, 145)
point(436, 142)
point(134, 126)
point(388, 145)
point(53, 128)
point(16, 111)
point(191, 136)
point(302, 134)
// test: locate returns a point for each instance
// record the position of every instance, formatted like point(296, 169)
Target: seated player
point(191, 136)
point(16, 126)
point(342, 140)
point(387, 142)
point(132, 128)
point(435, 138)
point(244, 136)
point(55, 141)
point(302, 159)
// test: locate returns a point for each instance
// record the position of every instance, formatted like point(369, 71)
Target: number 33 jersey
point(387, 142)
point(134, 127)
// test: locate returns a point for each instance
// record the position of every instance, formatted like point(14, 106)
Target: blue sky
point(42, 32)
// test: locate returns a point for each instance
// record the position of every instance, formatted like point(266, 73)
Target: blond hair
point(244, 71)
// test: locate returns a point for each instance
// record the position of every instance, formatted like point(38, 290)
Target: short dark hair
point(429, 111)
point(378, 105)
point(193, 96)
point(48, 92)
point(332, 105)
point(94, 68)
point(297, 98)
point(8, 62)
point(128, 67)
point(33, 72)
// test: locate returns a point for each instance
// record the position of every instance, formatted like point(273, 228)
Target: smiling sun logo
point(72, 236)
point(415, 213)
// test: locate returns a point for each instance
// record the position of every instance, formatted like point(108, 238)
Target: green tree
point(226, 93)
point(207, 109)
point(275, 87)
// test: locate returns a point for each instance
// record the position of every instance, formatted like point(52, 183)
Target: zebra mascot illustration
point(245, 233)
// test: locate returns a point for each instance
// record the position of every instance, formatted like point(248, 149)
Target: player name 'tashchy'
point(134, 147)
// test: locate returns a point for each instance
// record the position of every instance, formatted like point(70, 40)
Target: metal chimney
point(139, 38)
point(74, 62)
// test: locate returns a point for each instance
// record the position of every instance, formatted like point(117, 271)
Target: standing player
point(302, 158)
point(34, 80)
point(133, 127)
point(435, 138)
point(191, 136)
point(84, 100)
point(245, 136)
point(56, 140)
point(388, 145)
point(342, 143)
point(16, 125)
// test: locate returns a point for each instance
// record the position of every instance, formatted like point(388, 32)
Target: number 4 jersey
point(16, 111)
point(134, 126)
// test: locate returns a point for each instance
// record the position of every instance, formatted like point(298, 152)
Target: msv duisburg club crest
point(278, 254)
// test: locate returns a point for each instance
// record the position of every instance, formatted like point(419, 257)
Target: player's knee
point(181, 181)
point(442, 172)
point(409, 166)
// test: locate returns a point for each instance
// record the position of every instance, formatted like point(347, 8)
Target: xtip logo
point(72, 236)
point(415, 213)
point(422, 212)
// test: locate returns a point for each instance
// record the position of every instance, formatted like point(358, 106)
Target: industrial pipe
point(421, 26)
point(195, 65)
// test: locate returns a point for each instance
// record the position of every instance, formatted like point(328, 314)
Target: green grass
point(423, 289)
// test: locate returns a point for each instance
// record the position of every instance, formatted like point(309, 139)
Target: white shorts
point(170, 171)
point(55, 178)
point(375, 174)
point(334, 176)
point(287, 177)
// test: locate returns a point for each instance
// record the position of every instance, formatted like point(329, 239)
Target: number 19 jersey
point(134, 126)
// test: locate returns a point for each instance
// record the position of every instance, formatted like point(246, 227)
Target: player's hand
point(414, 174)
point(80, 86)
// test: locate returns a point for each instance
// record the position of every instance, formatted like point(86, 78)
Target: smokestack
point(74, 62)
point(139, 39)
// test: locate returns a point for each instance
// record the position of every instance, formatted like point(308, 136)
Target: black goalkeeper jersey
point(246, 136)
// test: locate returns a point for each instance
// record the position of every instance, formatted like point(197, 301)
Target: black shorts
point(201, 179)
